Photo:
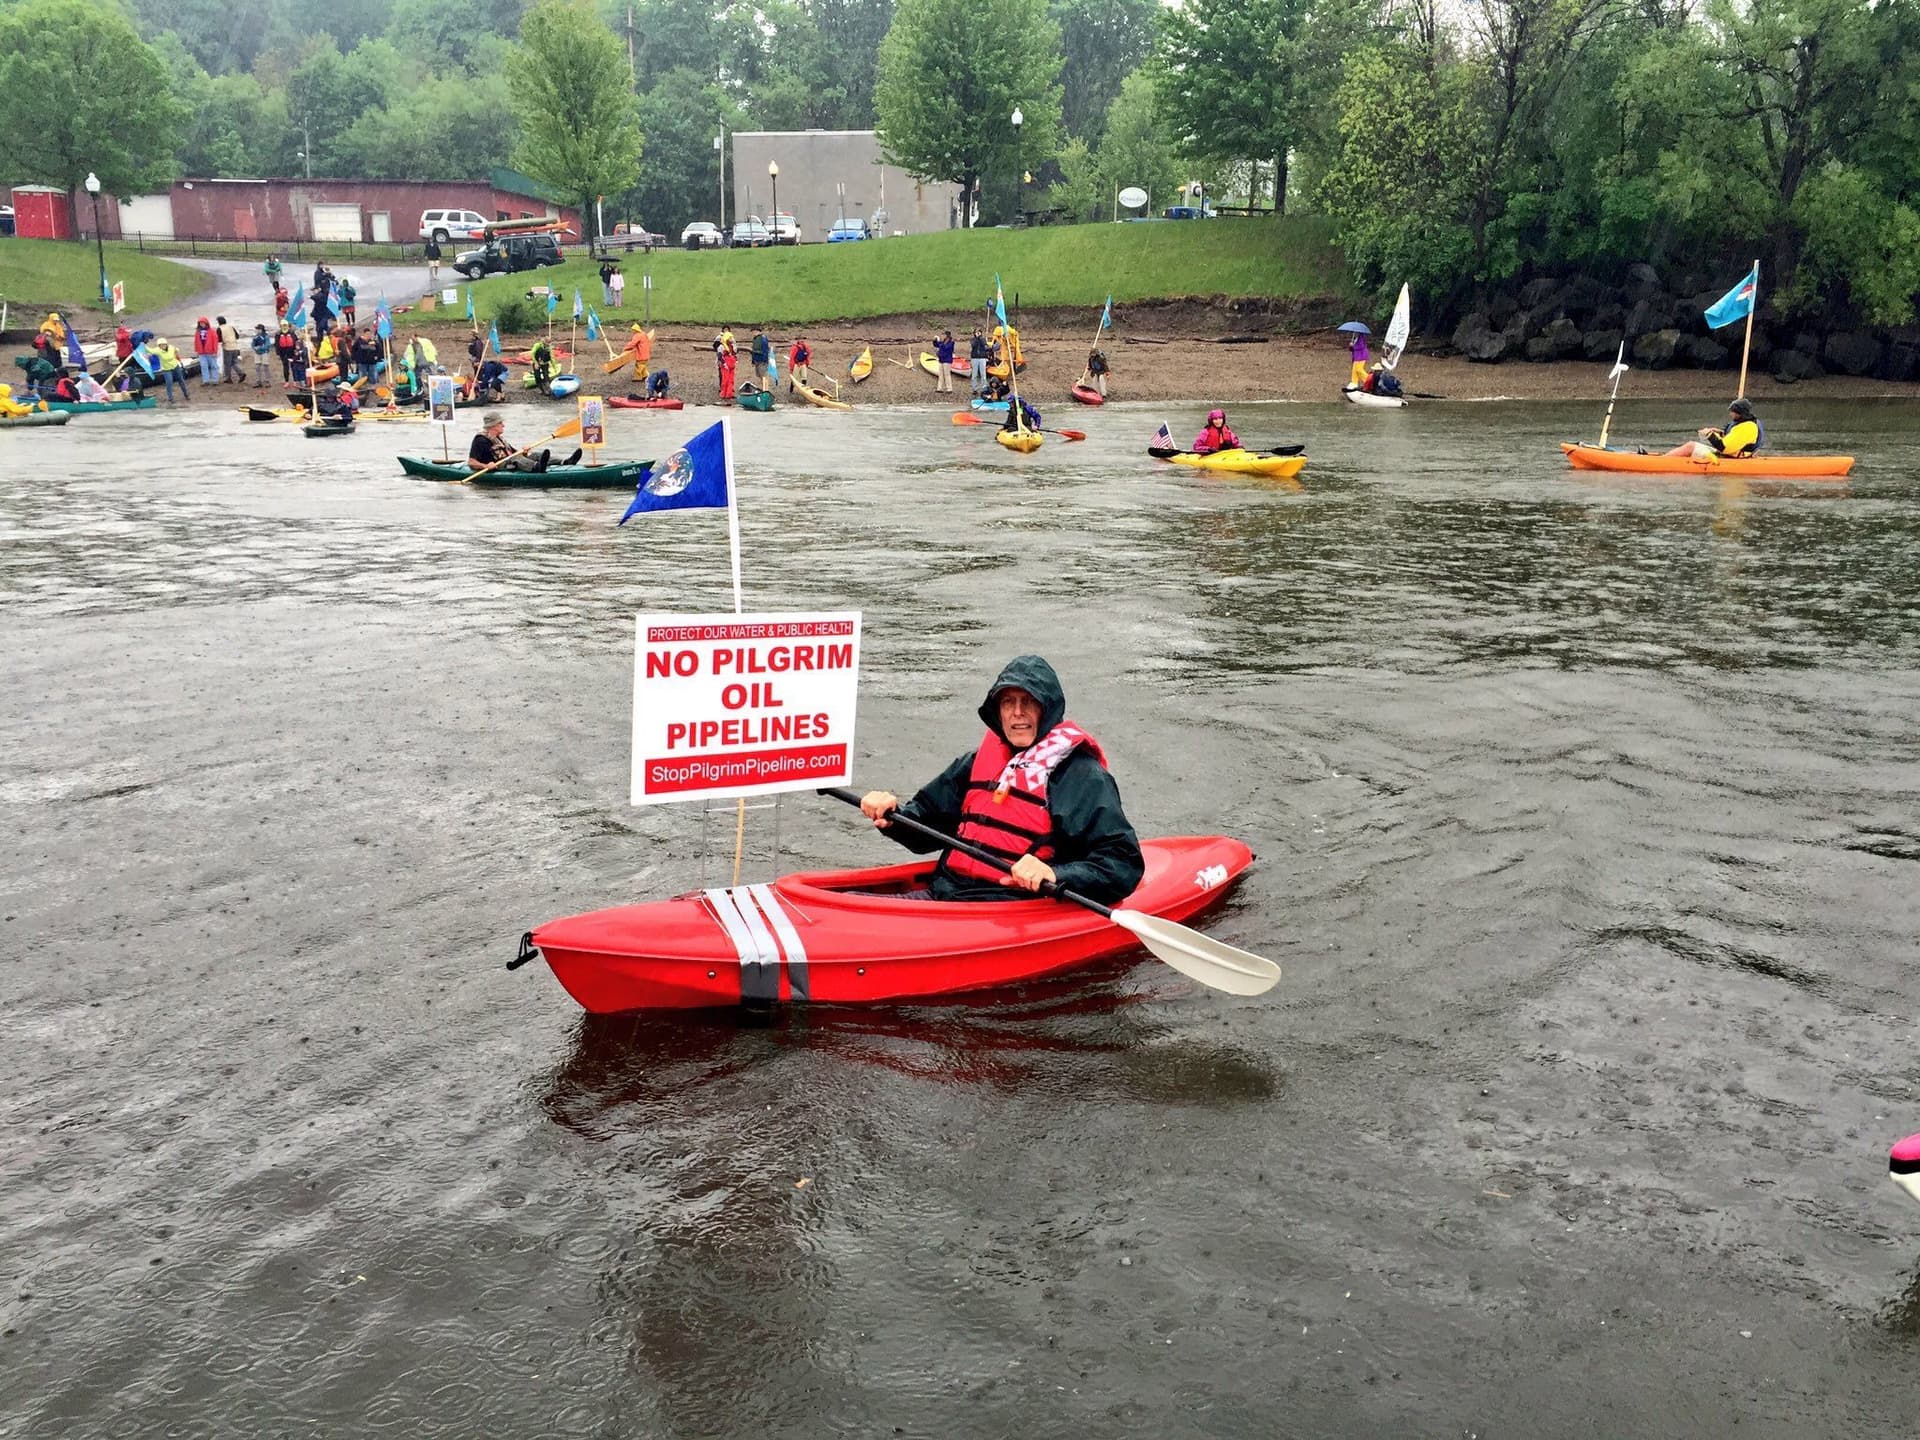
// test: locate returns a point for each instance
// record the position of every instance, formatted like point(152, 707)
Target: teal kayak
point(104, 407)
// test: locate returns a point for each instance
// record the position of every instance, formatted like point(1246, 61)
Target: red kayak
point(1087, 395)
point(627, 402)
point(846, 937)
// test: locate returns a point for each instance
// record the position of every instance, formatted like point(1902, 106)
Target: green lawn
point(65, 275)
point(954, 270)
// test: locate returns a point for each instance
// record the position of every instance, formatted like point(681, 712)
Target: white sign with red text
point(727, 705)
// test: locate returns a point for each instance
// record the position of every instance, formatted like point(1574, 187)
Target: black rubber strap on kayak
point(985, 857)
point(527, 952)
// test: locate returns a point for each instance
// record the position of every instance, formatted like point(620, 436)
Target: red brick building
point(295, 209)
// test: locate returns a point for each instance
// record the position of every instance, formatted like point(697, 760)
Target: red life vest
point(1010, 817)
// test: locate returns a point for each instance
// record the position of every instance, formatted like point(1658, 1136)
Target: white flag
point(1619, 363)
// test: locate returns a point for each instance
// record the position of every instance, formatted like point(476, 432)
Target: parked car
point(631, 237)
point(444, 225)
point(786, 229)
point(847, 230)
point(508, 254)
point(751, 233)
point(702, 235)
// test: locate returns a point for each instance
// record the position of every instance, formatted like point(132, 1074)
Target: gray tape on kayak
point(789, 940)
point(759, 957)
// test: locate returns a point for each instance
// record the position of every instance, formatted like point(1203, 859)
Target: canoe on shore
point(1367, 400)
point(616, 475)
point(847, 937)
point(1236, 462)
point(861, 366)
point(1777, 467)
point(1087, 395)
point(751, 399)
point(636, 402)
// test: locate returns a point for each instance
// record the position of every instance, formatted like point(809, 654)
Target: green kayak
point(615, 475)
point(38, 417)
point(755, 400)
point(104, 407)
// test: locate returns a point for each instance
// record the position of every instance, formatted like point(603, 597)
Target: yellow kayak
point(929, 364)
point(815, 395)
point(1238, 462)
point(861, 366)
point(1025, 441)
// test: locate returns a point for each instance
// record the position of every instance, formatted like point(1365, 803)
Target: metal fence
point(286, 249)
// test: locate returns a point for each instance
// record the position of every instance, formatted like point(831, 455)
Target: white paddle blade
point(1212, 962)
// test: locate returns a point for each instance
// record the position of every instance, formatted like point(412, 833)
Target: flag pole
point(733, 545)
point(1619, 369)
point(1746, 349)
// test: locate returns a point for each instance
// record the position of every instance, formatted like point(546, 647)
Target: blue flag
point(383, 322)
point(469, 302)
point(493, 337)
point(553, 301)
point(999, 302)
point(578, 308)
point(1106, 315)
point(297, 311)
point(697, 476)
point(74, 356)
point(593, 324)
point(146, 358)
point(1737, 303)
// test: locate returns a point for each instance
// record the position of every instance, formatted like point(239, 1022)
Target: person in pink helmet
point(1217, 435)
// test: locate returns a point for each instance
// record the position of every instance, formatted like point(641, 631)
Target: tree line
point(1459, 147)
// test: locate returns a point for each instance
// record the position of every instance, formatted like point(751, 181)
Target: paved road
point(239, 291)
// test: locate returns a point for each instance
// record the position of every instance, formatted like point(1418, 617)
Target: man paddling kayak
point(1740, 437)
point(1037, 791)
point(490, 450)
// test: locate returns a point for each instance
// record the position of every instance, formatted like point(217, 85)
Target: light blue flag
point(697, 476)
point(297, 311)
point(553, 301)
point(1106, 315)
point(493, 337)
point(578, 308)
point(593, 324)
point(148, 362)
point(469, 303)
point(999, 302)
point(383, 322)
point(1737, 303)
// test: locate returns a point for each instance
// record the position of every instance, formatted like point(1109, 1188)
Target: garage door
point(336, 222)
point(148, 215)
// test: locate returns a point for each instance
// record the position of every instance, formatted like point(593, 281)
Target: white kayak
point(1356, 396)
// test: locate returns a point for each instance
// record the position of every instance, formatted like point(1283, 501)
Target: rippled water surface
point(1586, 815)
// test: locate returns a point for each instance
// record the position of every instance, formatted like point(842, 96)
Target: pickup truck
point(636, 237)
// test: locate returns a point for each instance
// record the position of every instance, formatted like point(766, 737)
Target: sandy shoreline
point(1183, 369)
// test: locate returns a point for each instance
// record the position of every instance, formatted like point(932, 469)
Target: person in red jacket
point(1217, 435)
point(798, 358)
point(206, 349)
point(729, 365)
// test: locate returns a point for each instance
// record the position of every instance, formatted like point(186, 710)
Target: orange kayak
point(1786, 467)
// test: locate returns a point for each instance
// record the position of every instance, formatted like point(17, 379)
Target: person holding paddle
point(1216, 434)
point(1036, 791)
point(490, 451)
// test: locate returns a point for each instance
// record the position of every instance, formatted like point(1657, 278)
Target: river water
point(1585, 809)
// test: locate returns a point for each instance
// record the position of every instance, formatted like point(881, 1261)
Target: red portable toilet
point(41, 212)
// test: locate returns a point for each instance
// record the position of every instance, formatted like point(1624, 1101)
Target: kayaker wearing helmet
point(1741, 436)
point(1215, 435)
point(1036, 790)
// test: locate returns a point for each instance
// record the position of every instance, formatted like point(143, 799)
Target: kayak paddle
point(967, 417)
point(1199, 957)
point(1160, 452)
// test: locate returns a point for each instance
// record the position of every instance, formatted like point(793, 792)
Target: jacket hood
point(1035, 676)
point(202, 323)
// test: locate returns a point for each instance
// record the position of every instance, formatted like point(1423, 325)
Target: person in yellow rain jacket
point(1006, 346)
point(639, 350)
point(12, 408)
point(55, 329)
point(1740, 437)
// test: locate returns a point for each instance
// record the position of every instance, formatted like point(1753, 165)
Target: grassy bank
point(65, 275)
point(953, 272)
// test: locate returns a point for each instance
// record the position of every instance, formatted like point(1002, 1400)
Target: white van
point(445, 225)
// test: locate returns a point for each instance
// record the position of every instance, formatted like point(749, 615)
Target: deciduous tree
point(952, 72)
point(1230, 79)
point(579, 123)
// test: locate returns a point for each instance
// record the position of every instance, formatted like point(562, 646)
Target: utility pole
point(630, 71)
point(306, 138)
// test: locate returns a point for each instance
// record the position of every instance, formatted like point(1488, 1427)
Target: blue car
point(847, 230)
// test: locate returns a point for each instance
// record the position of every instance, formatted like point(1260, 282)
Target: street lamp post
point(720, 154)
point(1018, 170)
point(773, 221)
point(99, 247)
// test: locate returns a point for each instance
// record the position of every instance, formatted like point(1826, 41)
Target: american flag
point(1163, 438)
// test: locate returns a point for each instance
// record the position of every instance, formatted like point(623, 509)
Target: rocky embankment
point(1664, 327)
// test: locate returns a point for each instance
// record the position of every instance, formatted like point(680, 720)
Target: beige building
point(827, 174)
